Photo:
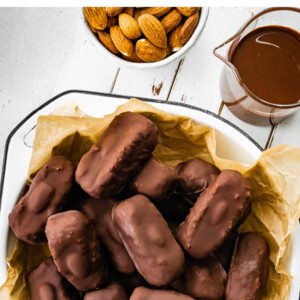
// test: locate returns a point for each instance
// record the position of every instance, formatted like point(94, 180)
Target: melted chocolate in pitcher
point(268, 62)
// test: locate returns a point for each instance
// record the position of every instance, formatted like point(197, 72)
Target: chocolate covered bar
point(142, 293)
point(249, 269)
point(127, 143)
point(245, 215)
point(99, 213)
point(45, 197)
point(114, 291)
point(195, 175)
point(155, 180)
point(202, 279)
point(149, 241)
point(74, 245)
point(215, 214)
point(45, 282)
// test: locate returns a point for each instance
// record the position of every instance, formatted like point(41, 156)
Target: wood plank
point(197, 82)
point(150, 83)
point(287, 132)
point(86, 68)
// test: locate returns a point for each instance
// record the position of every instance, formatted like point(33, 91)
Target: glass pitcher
point(237, 97)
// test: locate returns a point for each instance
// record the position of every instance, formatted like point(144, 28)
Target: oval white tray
point(232, 143)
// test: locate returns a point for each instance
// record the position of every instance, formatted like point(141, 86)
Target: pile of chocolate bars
point(129, 227)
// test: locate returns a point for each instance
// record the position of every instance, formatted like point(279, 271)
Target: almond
point(112, 21)
point(171, 20)
point(188, 11)
point(129, 11)
point(96, 17)
point(113, 11)
point(156, 11)
point(106, 40)
point(168, 51)
point(174, 42)
point(153, 30)
point(188, 28)
point(133, 58)
point(129, 26)
point(122, 43)
point(148, 52)
point(93, 29)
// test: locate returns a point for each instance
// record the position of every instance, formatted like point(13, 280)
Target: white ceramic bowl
point(176, 56)
point(232, 143)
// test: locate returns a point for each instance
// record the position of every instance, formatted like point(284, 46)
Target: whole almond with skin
point(93, 29)
point(174, 42)
point(122, 43)
point(133, 58)
point(188, 11)
point(168, 51)
point(129, 11)
point(148, 52)
point(106, 40)
point(153, 30)
point(188, 28)
point(129, 26)
point(96, 17)
point(171, 20)
point(113, 11)
point(112, 21)
point(156, 11)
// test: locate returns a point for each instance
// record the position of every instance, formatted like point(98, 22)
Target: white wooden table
point(67, 60)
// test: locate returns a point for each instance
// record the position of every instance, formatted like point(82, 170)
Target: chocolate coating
point(45, 197)
point(203, 279)
point(114, 291)
point(155, 180)
point(142, 293)
point(99, 212)
point(148, 240)
point(128, 142)
point(225, 251)
point(195, 175)
point(215, 214)
point(245, 215)
point(74, 245)
point(45, 282)
point(249, 269)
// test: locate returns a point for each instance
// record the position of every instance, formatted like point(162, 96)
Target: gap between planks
point(174, 78)
point(115, 80)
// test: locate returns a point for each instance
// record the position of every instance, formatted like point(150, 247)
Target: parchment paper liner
point(275, 179)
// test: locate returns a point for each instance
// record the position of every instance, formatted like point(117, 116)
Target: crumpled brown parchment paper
point(275, 179)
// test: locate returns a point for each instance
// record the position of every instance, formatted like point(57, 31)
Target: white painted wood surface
point(57, 56)
point(193, 80)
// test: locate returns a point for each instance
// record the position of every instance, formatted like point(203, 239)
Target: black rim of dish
point(179, 104)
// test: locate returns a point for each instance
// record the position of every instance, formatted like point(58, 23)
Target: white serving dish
point(232, 143)
point(174, 57)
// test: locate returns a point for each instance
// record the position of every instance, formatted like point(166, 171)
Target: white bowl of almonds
point(144, 37)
